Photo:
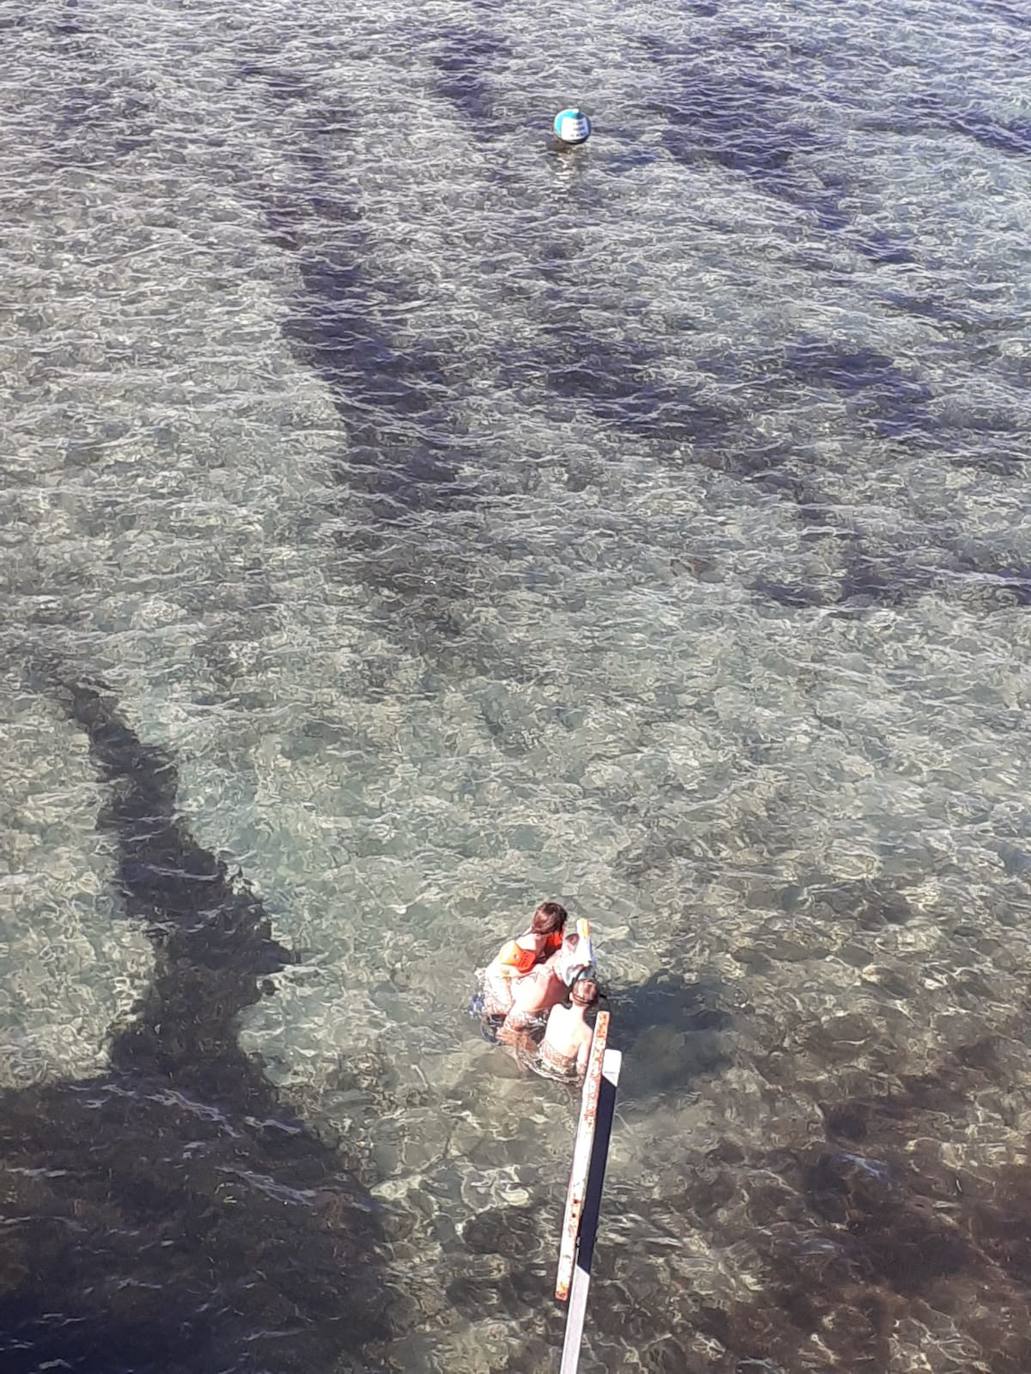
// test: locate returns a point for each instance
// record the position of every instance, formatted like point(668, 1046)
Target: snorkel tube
point(576, 956)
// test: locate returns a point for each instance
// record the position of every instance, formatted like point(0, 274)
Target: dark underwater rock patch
point(876, 389)
point(466, 60)
point(620, 382)
point(173, 1212)
point(746, 119)
point(1011, 137)
point(402, 466)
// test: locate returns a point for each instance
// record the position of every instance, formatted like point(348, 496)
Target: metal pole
point(582, 1147)
point(588, 1230)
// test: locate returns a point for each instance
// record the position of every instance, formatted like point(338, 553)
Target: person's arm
point(515, 1030)
point(528, 1003)
point(515, 957)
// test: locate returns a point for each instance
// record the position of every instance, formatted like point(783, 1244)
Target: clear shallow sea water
point(469, 523)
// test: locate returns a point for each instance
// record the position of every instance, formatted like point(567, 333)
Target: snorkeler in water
point(518, 958)
point(547, 986)
point(566, 1046)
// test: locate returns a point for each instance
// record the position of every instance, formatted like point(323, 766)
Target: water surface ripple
point(423, 522)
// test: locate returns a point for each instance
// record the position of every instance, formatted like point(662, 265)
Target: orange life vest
point(514, 961)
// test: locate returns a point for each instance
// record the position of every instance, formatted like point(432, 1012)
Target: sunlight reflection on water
point(643, 528)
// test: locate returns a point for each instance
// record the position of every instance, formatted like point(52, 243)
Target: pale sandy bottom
point(644, 528)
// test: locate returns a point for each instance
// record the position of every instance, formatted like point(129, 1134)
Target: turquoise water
point(644, 527)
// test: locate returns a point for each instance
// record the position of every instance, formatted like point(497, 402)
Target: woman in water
point(548, 985)
point(518, 958)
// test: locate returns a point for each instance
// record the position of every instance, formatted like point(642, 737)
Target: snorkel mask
point(576, 956)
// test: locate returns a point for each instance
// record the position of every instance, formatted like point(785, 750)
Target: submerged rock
point(170, 1214)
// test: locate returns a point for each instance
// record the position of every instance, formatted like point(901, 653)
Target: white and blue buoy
point(572, 126)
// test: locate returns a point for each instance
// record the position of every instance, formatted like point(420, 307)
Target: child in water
point(566, 1046)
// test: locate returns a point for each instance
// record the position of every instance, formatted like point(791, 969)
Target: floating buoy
point(572, 126)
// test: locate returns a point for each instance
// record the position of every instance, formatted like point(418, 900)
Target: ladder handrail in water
point(586, 1180)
